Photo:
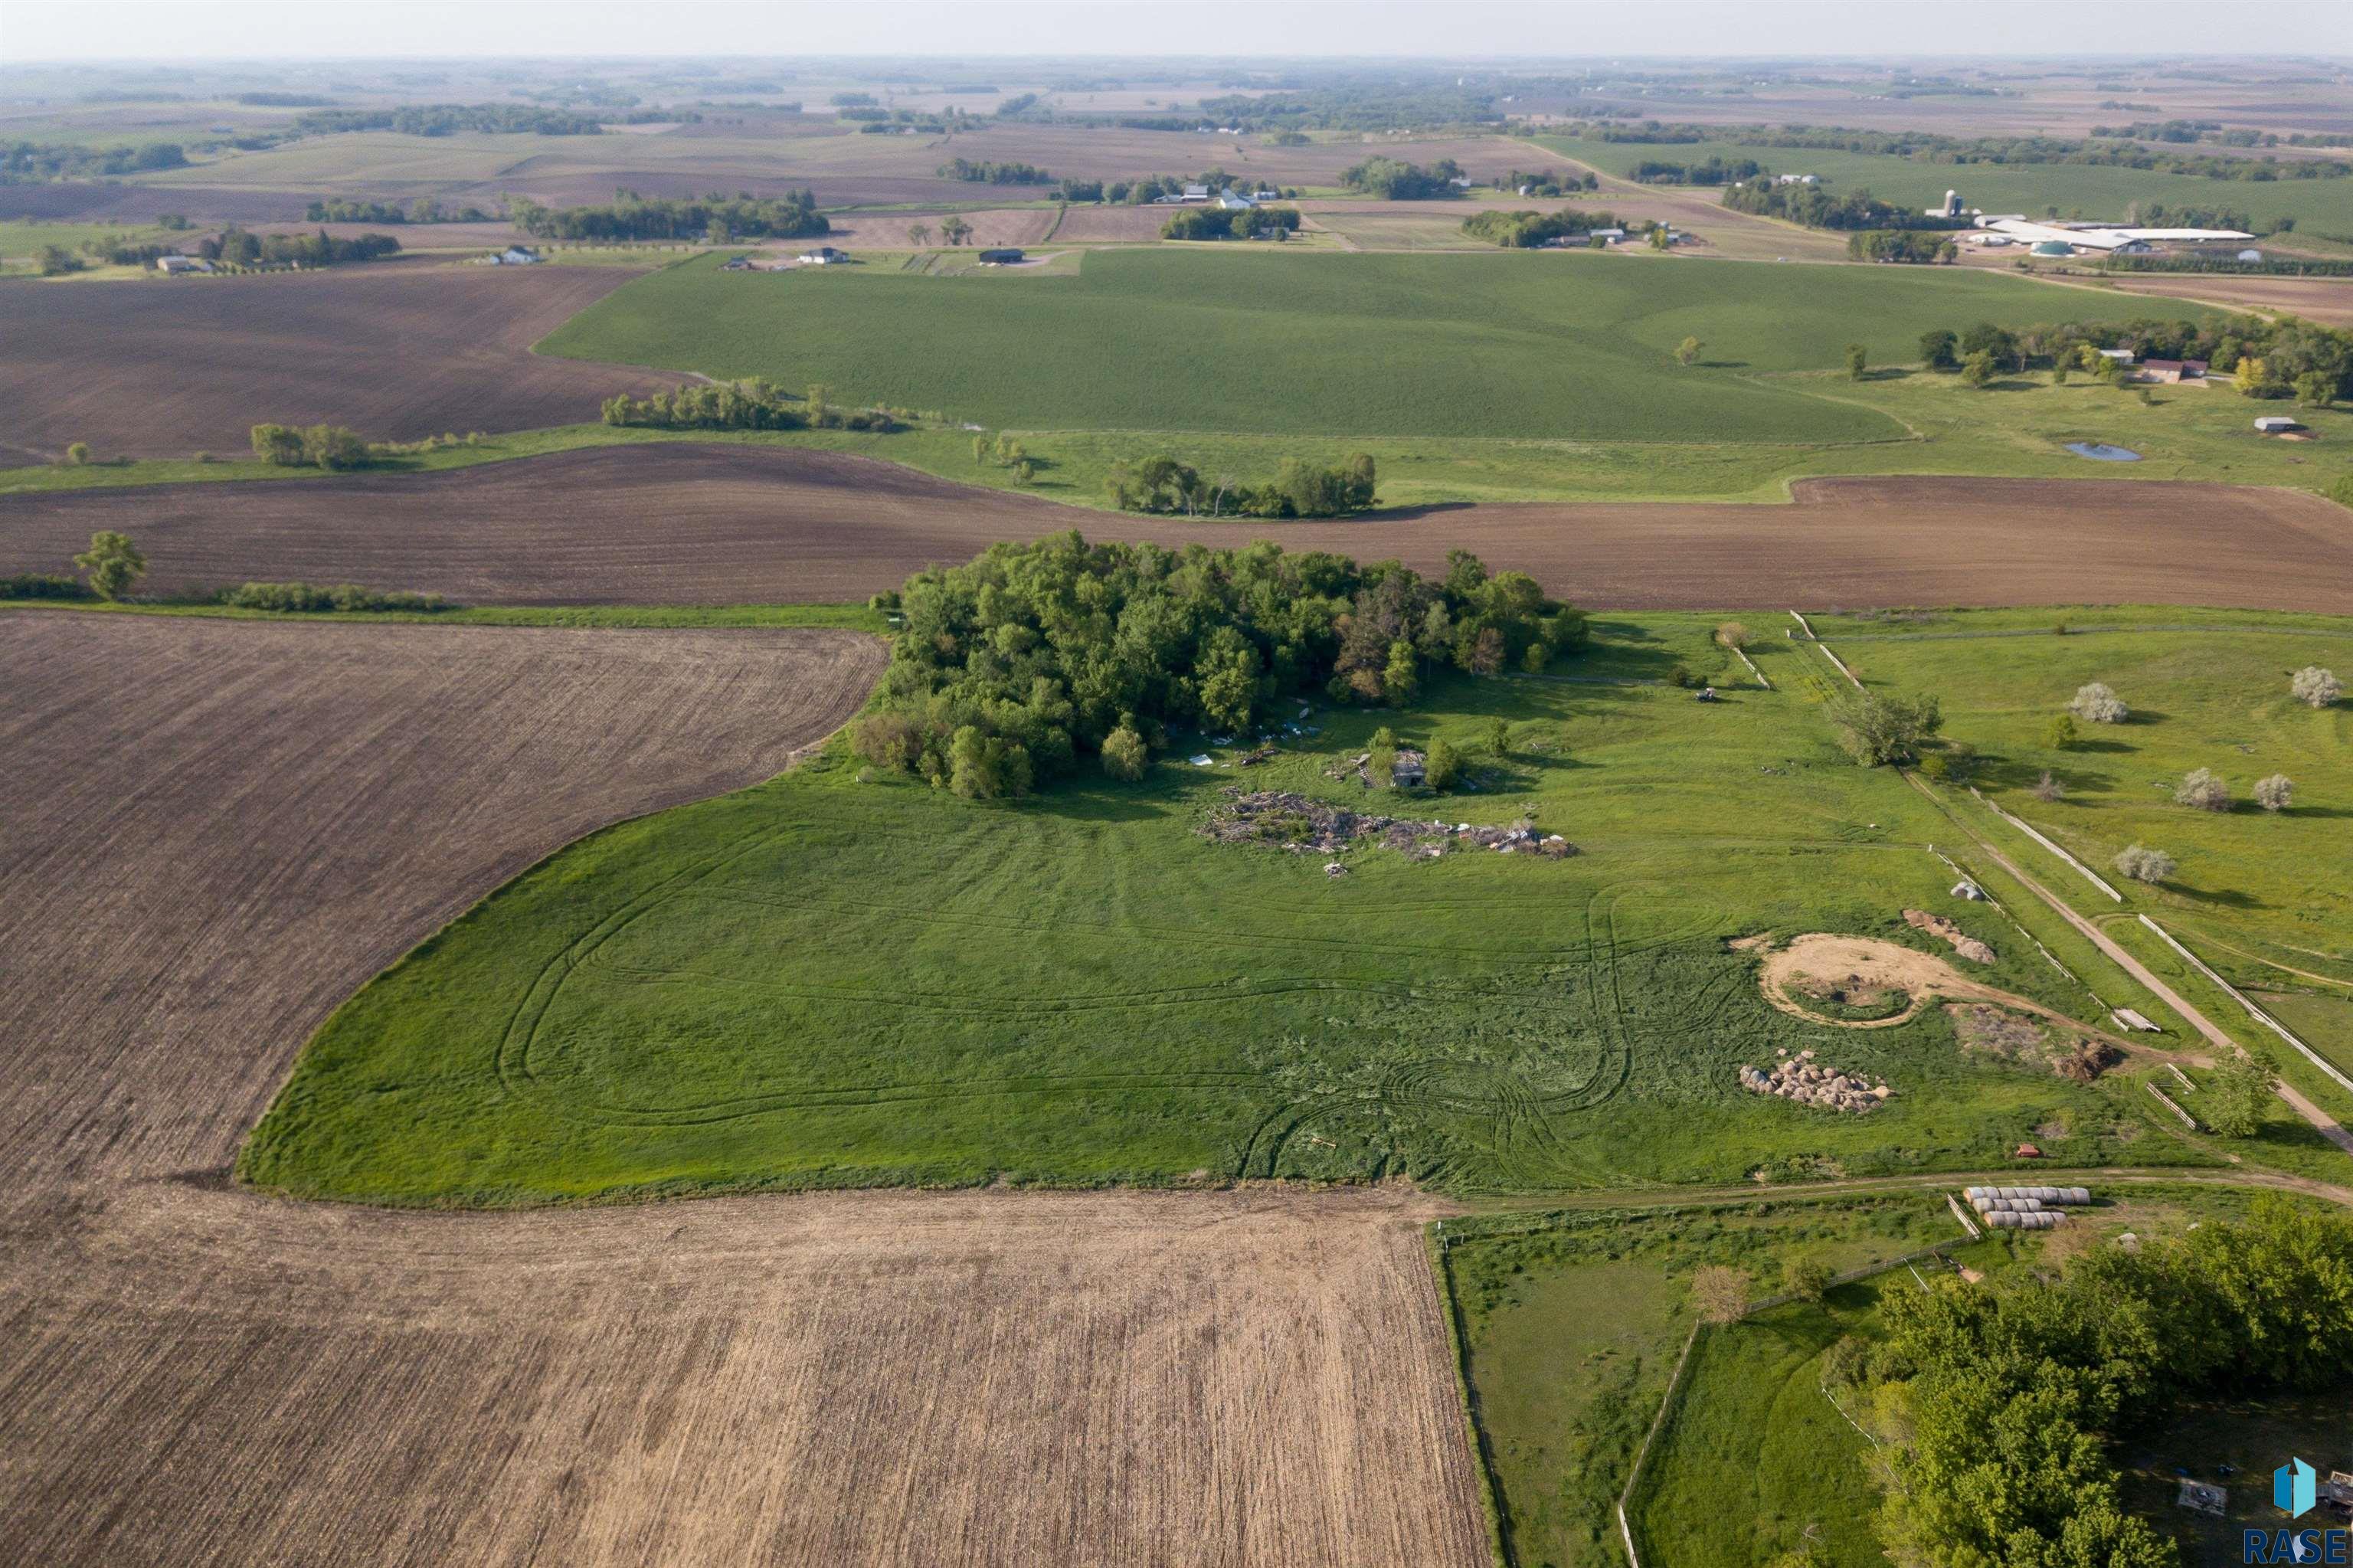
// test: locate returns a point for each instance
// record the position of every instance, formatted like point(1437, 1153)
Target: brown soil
point(169, 366)
point(215, 829)
point(697, 523)
point(83, 201)
point(1820, 960)
point(2326, 300)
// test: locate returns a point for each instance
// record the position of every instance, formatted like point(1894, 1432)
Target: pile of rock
point(1802, 1078)
point(1960, 941)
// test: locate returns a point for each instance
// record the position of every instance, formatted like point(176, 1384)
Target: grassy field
point(1573, 1329)
point(734, 995)
point(2077, 190)
point(1530, 346)
point(1572, 1322)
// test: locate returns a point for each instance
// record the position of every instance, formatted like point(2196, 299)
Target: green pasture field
point(740, 994)
point(1554, 346)
point(22, 238)
point(2270, 885)
point(1572, 1330)
point(2078, 190)
point(1572, 1323)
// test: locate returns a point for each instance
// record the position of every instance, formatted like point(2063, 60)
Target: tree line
point(23, 161)
point(1164, 484)
point(1548, 182)
point(1715, 171)
point(1817, 207)
point(1393, 181)
point(1910, 245)
point(2004, 1402)
point(992, 174)
point(1015, 669)
point(235, 247)
point(1525, 231)
point(424, 209)
point(491, 119)
point(2268, 357)
point(753, 405)
point(1927, 147)
point(793, 215)
point(1237, 223)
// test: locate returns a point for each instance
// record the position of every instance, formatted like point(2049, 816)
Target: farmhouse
point(2172, 371)
point(823, 256)
point(172, 266)
point(1232, 200)
point(517, 256)
point(1608, 236)
point(1796, 179)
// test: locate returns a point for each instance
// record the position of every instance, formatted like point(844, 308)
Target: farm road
point(215, 829)
point(689, 522)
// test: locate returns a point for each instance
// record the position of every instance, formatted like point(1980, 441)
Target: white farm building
point(2103, 237)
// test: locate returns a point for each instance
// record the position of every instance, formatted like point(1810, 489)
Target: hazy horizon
point(101, 32)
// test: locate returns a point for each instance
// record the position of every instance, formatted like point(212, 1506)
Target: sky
point(33, 30)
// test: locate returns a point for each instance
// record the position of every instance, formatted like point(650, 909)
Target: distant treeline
point(1218, 223)
point(424, 209)
point(235, 247)
point(1162, 483)
point(1369, 107)
point(1393, 181)
point(2269, 267)
point(1548, 182)
point(995, 173)
point(2268, 358)
point(1925, 147)
point(793, 215)
point(493, 118)
point(21, 161)
point(1918, 244)
point(1816, 207)
point(1714, 171)
point(1527, 229)
point(754, 405)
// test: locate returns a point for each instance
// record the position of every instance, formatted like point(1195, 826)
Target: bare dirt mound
point(704, 524)
point(169, 366)
point(1818, 964)
point(215, 830)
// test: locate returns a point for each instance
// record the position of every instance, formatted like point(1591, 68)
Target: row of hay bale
point(2055, 1197)
point(2024, 1208)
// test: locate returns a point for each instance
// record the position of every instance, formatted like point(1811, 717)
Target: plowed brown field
point(168, 366)
point(691, 524)
point(213, 831)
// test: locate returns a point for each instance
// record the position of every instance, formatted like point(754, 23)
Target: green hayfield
point(2271, 885)
point(1571, 1332)
point(1554, 346)
point(743, 993)
point(2078, 190)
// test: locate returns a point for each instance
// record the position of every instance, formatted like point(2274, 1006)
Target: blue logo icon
point(2294, 1488)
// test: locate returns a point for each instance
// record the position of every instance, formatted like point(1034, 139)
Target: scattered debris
point(2027, 1152)
point(1334, 868)
point(1960, 941)
point(1202, 759)
point(2127, 1018)
point(1802, 1079)
point(1997, 1032)
point(1970, 890)
point(1706, 695)
point(2201, 1498)
point(1283, 819)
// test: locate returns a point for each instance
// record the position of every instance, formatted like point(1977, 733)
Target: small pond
point(2099, 451)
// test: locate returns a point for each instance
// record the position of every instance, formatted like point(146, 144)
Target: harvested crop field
point(693, 524)
point(93, 202)
point(169, 366)
point(2329, 300)
point(221, 828)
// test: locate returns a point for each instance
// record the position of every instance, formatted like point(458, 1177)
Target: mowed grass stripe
point(1327, 345)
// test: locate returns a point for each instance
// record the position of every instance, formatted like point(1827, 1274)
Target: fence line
point(1643, 1454)
point(2022, 826)
point(2167, 1101)
point(1840, 664)
point(2260, 1016)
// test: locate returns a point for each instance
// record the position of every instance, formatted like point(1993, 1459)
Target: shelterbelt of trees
point(629, 216)
point(1527, 229)
point(2106, 147)
point(1017, 669)
point(2003, 1399)
point(2266, 358)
